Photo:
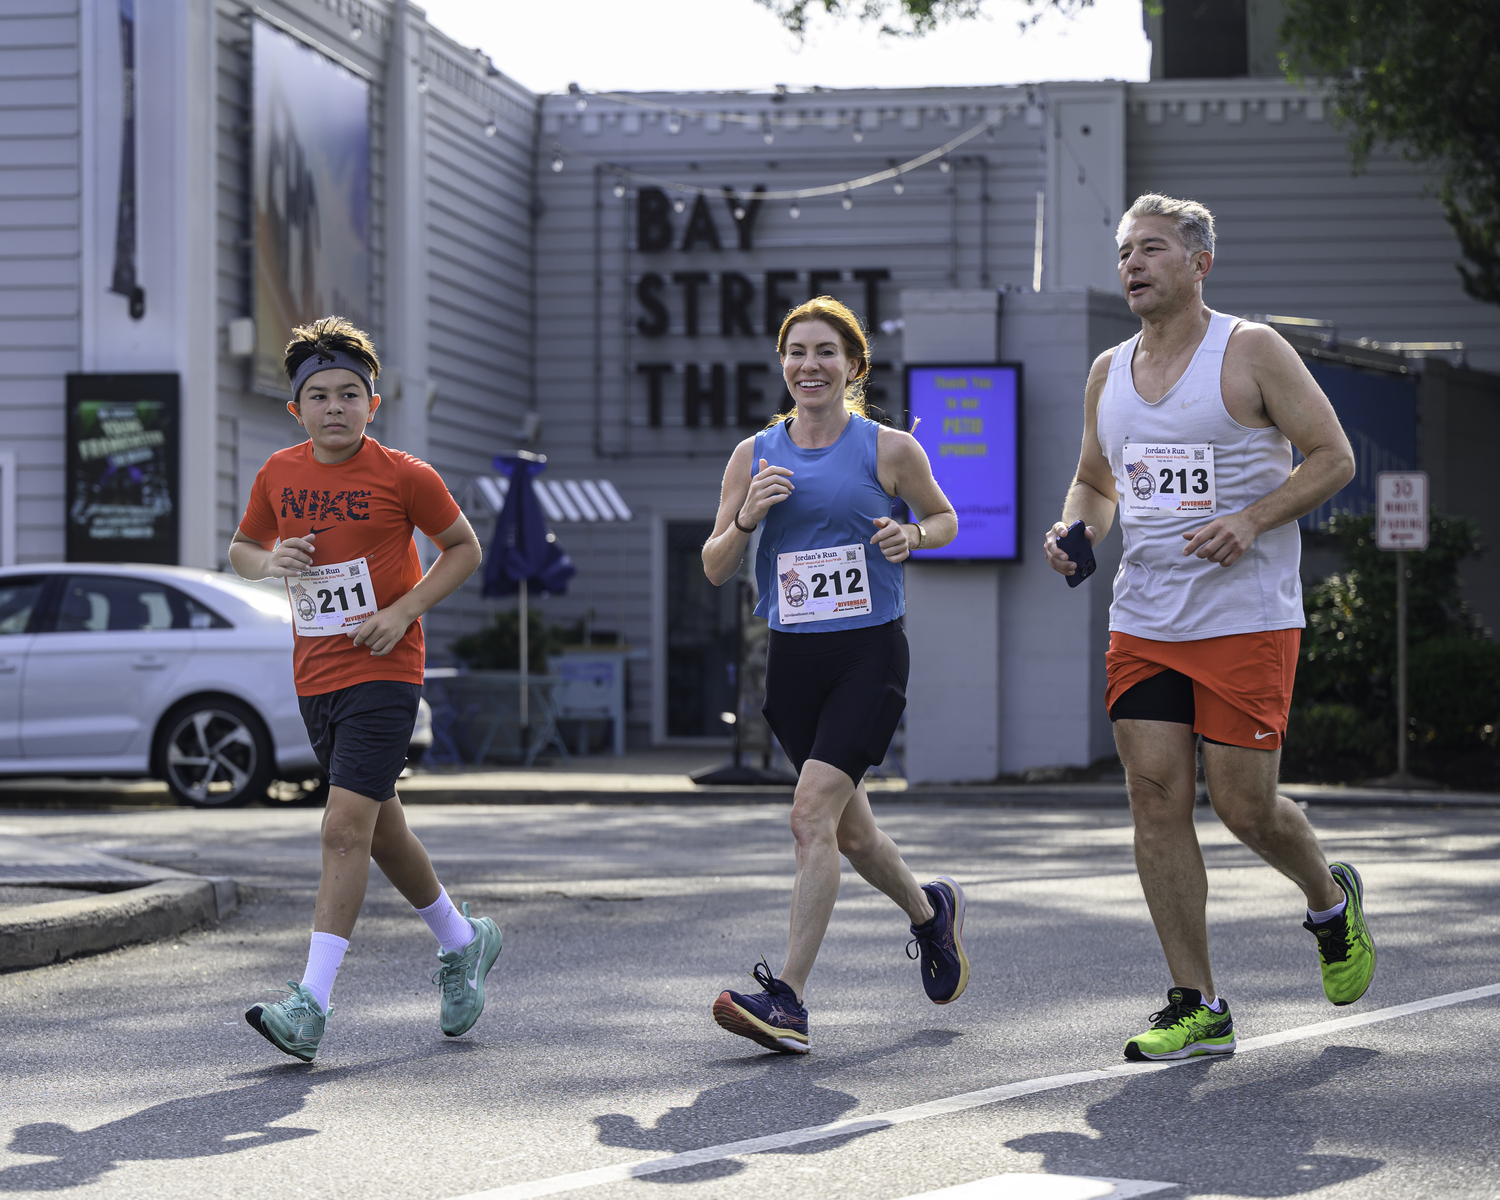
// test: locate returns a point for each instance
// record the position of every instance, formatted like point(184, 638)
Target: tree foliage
point(1423, 75)
point(903, 18)
point(1349, 646)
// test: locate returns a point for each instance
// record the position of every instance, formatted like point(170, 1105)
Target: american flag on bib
point(1134, 469)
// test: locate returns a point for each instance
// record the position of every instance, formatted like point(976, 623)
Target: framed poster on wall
point(311, 182)
point(122, 476)
point(968, 418)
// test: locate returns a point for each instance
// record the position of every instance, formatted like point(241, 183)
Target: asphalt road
point(134, 1074)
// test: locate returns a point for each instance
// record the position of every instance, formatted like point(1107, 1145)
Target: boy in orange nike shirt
point(333, 517)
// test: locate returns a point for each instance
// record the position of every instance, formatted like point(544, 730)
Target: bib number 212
point(836, 580)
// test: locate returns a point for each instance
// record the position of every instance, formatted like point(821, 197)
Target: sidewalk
point(109, 902)
point(661, 776)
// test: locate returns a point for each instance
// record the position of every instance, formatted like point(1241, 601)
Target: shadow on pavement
point(223, 1122)
point(1252, 1139)
point(783, 1088)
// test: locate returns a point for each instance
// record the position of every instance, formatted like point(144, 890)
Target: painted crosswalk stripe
point(621, 1172)
point(1016, 1185)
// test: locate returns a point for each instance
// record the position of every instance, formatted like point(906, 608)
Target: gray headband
point(329, 360)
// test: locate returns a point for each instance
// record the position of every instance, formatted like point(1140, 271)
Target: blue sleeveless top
point(836, 498)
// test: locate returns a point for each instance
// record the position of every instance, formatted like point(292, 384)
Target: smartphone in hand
point(1076, 545)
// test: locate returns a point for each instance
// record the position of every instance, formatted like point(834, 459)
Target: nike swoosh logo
point(1190, 403)
point(325, 529)
point(1259, 735)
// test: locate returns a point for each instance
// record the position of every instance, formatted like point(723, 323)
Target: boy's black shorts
point(360, 733)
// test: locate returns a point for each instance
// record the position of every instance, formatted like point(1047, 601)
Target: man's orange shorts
point(1242, 683)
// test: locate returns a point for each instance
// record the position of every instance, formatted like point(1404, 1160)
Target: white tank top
point(1188, 461)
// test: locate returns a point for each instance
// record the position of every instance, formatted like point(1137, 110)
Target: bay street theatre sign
point(704, 314)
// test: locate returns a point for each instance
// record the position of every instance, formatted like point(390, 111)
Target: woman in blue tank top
point(818, 486)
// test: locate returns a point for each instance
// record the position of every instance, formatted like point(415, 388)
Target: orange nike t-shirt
point(363, 508)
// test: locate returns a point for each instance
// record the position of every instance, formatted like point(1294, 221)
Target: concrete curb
point(38, 934)
point(1088, 795)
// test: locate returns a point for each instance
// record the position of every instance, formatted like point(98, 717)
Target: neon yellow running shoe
point(1185, 1028)
point(1345, 947)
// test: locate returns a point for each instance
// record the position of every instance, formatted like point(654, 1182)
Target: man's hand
point(290, 558)
point(892, 539)
point(1225, 540)
point(1058, 560)
point(382, 632)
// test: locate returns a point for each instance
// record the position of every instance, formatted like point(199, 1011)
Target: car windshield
point(264, 595)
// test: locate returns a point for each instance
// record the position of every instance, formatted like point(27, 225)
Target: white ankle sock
point(324, 955)
point(448, 925)
point(1215, 1005)
point(1317, 918)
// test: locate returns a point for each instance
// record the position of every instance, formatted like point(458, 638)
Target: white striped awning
point(573, 500)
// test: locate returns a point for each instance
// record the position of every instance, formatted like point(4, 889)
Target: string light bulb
point(739, 212)
point(944, 166)
point(794, 212)
point(848, 203)
point(899, 188)
point(356, 33)
point(769, 137)
point(557, 163)
point(674, 124)
point(859, 135)
point(679, 204)
point(491, 129)
point(581, 103)
point(422, 82)
point(619, 191)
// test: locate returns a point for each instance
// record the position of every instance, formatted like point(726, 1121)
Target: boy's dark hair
point(327, 334)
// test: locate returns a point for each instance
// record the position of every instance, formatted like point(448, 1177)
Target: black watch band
point(741, 528)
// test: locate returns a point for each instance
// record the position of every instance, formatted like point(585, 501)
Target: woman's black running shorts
point(837, 697)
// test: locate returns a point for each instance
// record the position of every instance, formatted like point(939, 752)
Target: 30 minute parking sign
point(1401, 510)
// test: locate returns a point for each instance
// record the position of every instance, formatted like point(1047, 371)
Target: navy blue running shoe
point(939, 943)
point(773, 1017)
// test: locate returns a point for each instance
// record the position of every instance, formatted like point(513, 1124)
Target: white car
point(130, 669)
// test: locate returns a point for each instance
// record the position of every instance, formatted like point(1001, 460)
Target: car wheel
point(215, 753)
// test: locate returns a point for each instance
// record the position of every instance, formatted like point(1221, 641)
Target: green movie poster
point(121, 484)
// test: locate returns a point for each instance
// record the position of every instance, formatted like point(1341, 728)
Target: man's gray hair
point(1194, 223)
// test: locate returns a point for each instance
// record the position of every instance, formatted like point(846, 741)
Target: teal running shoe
point(462, 976)
point(1346, 950)
point(294, 1025)
point(1185, 1028)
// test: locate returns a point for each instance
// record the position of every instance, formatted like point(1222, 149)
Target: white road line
point(620, 1172)
point(1015, 1185)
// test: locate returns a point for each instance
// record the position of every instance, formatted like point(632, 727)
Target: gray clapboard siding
point(39, 256)
point(1300, 234)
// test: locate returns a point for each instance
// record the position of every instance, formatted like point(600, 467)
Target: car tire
point(214, 752)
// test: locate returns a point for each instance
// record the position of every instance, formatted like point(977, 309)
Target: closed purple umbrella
point(522, 554)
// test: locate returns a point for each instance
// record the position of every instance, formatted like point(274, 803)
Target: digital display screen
point(968, 420)
point(122, 468)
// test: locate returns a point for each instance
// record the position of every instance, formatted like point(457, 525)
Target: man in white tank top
point(1188, 430)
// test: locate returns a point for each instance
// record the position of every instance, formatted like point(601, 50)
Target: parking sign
point(1401, 510)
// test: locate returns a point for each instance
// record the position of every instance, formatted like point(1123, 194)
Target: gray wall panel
point(1299, 233)
point(39, 256)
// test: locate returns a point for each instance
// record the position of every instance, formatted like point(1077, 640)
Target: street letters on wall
point(742, 309)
